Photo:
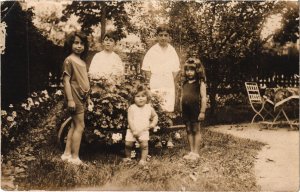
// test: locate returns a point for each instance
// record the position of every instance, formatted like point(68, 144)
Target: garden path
point(277, 164)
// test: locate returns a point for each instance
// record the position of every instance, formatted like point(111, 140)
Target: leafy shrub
point(106, 120)
point(18, 119)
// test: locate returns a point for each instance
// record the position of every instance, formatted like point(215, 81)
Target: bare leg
point(144, 150)
point(190, 136)
point(128, 148)
point(69, 139)
point(197, 137)
point(77, 134)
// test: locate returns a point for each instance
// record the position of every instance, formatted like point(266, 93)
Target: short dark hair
point(112, 35)
point(70, 40)
point(162, 28)
point(141, 88)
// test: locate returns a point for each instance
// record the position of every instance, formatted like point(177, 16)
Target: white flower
point(41, 100)
point(37, 103)
point(177, 136)
point(156, 129)
point(58, 92)
point(97, 132)
point(14, 114)
point(133, 154)
point(50, 74)
point(45, 92)
point(30, 101)
point(10, 118)
point(137, 145)
point(11, 106)
point(116, 137)
point(3, 113)
point(34, 94)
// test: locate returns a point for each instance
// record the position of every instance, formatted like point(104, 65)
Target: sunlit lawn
point(226, 163)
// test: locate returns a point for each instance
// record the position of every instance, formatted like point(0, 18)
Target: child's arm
point(154, 118)
point(203, 101)
point(130, 121)
point(67, 88)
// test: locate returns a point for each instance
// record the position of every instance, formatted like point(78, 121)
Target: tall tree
point(290, 23)
point(28, 57)
point(223, 33)
point(93, 13)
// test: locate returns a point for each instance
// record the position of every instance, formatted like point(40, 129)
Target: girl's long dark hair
point(69, 43)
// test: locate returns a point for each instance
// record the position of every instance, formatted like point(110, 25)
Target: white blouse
point(106, 64)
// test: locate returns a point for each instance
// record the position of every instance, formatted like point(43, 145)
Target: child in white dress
point(141, 118)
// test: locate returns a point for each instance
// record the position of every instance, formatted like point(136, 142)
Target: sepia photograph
point(149, 95)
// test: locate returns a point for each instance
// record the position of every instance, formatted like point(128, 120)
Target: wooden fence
point(277, 81)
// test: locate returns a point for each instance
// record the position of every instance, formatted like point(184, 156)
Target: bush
point(18, 119)
point(106, 120)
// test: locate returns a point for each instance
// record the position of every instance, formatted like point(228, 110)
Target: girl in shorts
point(76, 89)
point(193, 104)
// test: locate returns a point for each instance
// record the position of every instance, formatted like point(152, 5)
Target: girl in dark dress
point(193, 104)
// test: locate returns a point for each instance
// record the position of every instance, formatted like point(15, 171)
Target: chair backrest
point(253, 92)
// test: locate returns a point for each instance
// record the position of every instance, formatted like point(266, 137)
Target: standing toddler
point(141, 118)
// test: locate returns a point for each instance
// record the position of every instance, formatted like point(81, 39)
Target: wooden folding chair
point(257, 102)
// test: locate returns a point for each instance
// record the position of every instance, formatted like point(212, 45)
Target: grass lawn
point(226, 163)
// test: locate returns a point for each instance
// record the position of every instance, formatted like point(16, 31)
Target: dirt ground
point(277, 164)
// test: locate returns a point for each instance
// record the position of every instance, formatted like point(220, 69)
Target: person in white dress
point(107, 63)
point(161, 65)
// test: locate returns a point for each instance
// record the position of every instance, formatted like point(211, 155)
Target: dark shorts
point(190, 112)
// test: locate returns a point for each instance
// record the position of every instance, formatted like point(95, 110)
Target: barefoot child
point(76, 88)
point(141, 118)
point(193, 104)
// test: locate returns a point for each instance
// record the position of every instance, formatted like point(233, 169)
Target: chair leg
point(257, 112)
point(289, 122)
point(275, 119)
point(259, 115)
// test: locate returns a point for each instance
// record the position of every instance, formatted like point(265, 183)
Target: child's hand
point(71, 106)
point(135, 133)
point(201, 116)
point(151, 126)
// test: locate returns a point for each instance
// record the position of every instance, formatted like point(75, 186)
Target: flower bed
point(18, 119)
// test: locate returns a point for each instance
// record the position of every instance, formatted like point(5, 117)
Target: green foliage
point(290, 21)
point(93, 13)
point(18, 119)
point(222, 34)
point(28, 57)
point(107, 119)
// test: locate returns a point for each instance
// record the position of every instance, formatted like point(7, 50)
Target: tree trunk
point(103, 20)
